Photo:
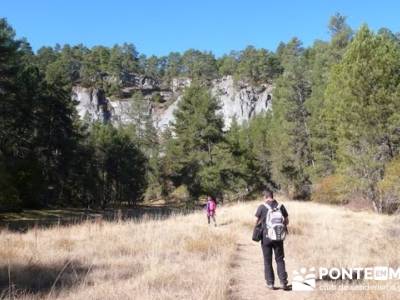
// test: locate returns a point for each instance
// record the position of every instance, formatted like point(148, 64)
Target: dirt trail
point(248, 274)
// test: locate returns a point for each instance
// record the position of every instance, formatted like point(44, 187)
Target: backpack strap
point(267, 215)
point(268, 206)
point(279, 206)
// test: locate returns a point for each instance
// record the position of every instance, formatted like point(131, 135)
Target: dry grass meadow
point(181, 257)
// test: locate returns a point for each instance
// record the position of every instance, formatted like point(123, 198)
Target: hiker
point(273, 218)
point(211, 206)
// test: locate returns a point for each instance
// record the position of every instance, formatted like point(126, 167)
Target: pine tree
point(322, 56)
point(10, 141)
point(290, 136)
point(198, 131)
point(145, 135)
point(363, 100)
point(120, 164)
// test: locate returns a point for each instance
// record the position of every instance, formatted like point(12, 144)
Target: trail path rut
point(248, 274)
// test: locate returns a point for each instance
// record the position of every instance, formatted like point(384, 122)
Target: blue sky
point(158, 27)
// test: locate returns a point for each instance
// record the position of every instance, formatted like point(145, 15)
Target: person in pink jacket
point(211, 207)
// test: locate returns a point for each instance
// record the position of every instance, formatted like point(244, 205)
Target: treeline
point(332, 135)
point(48, 157)
point(110, 68)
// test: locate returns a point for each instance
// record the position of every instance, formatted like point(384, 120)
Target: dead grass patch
point(182, 257)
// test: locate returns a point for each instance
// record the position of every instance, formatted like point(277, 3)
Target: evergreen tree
point(173, 66)
point(257, 66)
point(199, 65)
point(144, 133)
point(259, 141)
point(227, 64)
point(290, 145)
point(37, 126)
point(198, 131)
point(11, 143)
point(363, 100)
point(322, 56)
point(121, 166)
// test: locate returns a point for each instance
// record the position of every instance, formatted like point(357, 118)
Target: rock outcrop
point(241, 101)
point(92, 104)
point(238, 100)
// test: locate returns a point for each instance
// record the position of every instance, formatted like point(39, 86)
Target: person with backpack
point(273, 219)
point(211, 207)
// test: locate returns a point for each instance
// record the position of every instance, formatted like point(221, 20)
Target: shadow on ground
point(22, 222)
point(38, 279)
point(226, 223)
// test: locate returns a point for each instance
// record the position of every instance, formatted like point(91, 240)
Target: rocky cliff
point(238, 100)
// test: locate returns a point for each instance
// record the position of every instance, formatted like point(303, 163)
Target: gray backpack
point(275, 223)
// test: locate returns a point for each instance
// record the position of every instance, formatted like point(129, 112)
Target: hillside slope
point(183, 258)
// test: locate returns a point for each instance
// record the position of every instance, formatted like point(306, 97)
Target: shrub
point(157, 98)
point(153, 192)
point(180, 193)
point(389, 189)
point(332, 189)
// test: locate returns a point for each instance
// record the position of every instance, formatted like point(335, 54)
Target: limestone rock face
point(179, 84)
point(164, 118)
point(138, 81)
point(238, 100)
point(92, 104)
point(241, 101)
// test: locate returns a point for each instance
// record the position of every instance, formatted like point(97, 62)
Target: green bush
point(181, 193)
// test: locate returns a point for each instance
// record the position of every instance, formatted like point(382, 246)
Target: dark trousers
point(277, 247)
point(213, 218)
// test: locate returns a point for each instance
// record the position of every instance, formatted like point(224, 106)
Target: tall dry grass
point(331, 236)
point(182, 257)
